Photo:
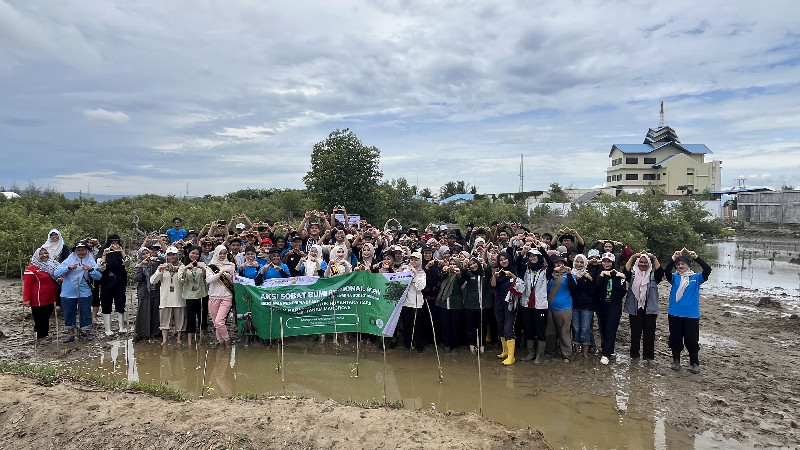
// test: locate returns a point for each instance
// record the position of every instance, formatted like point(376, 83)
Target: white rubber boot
point(121, 320)
point(107, 324)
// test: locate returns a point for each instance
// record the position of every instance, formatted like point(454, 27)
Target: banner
point(356, 302)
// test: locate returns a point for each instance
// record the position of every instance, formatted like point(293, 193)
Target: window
point(649, 160)
point(629, 160)
point(631, 176)
point(649, 176)
point(690, 171)
point(608, 178)
point(658, 177)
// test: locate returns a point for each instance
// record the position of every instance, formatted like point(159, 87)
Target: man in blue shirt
point(176, 233)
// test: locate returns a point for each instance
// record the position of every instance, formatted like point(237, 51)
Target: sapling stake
point(435, 345)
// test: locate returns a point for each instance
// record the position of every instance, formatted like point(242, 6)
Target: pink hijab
point(641, 280)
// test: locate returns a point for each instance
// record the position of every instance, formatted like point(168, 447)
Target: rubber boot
point(676, 360)
point(539, 353)
point(503, 355)
point(531, 350)
point(107, 324)
point(121, 321)
point(511, 349)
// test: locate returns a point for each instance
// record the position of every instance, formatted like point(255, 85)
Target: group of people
point(502, 283)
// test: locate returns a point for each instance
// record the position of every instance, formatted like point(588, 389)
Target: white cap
point(240, 226)
point(172, 249)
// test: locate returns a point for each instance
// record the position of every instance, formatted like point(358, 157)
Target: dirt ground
point(747, 392)
point(76, 416)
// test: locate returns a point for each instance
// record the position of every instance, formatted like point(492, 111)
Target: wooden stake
point(435, 345)
point(203, 387)
point(480, 380)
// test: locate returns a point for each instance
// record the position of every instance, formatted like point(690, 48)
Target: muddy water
point(520, 396)
point(756, 263)
point(579, 405)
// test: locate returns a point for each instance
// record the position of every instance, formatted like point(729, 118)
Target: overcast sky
point(128, 97)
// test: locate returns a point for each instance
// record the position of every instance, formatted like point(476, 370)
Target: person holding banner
point(219, 277)
point(275, 268)
point(312, 264)
point(413, 314)
point(338, 264)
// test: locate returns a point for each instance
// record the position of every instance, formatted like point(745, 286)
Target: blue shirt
point(563, 298)
point(176, 235)
point(250, 272)
point(76, 283)
point(689, 304)
point(272, 273)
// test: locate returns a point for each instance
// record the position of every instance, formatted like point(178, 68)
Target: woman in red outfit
point(40, 291)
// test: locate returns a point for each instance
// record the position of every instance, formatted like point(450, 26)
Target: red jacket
point(38, 287)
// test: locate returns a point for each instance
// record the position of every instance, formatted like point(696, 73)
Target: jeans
point(71, 307)
point(582, 326)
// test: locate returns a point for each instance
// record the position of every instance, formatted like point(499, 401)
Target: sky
point(133, 97)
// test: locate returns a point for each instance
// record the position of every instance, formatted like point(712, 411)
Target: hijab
point(48, 266)
point(53, 248)
point(641, 281)
point(580, 273)
point(222, 265)
point(311, 267)
point(685, 278)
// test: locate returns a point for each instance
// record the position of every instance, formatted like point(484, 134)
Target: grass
point(374, 404)
point(49, 376)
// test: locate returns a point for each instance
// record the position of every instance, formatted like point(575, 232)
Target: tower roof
point(661, 134)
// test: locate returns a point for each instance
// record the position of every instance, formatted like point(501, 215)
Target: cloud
point(102, 115)
point(445, 92)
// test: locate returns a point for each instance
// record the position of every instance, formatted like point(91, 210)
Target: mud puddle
point(608, 410)
point(756, 263)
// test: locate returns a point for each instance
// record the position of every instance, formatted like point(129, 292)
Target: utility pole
point(521, 173)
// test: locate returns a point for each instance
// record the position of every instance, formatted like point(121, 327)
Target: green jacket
point(471, 298)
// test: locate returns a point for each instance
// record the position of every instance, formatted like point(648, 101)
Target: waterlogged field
point(745, 397)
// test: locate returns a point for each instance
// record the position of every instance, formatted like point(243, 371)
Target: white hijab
point(53, 248)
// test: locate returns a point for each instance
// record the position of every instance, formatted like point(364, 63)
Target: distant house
point(458, 199)
point(10, 195)
point(663, 161)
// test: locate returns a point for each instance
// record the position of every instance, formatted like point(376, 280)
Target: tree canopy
point(344, 172)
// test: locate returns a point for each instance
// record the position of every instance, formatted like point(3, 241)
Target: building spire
point(661, 116)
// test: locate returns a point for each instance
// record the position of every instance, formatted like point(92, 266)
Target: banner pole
point(435, 345)
point(335, 334)
point(283, 370)
point(383, 344)
point(358, 339)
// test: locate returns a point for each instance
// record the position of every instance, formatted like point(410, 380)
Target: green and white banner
point(357, 302)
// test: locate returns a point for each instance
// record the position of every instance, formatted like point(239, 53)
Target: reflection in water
point(519, 396)
point(755, 262)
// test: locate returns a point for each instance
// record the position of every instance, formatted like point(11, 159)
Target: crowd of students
point(500, 283)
